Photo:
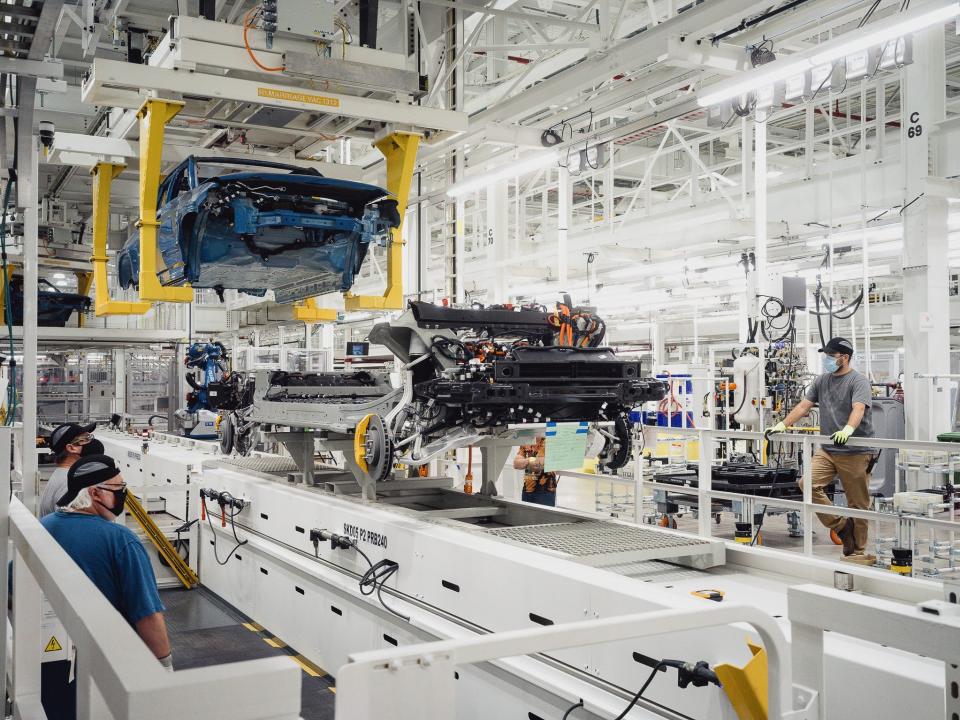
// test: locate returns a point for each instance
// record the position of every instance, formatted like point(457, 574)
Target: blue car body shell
point(296, 233)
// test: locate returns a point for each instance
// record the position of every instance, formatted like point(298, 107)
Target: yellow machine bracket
point(4, 279)
point(746, 687)
point(103, 176)
point(359, 442)
point(400, 151)
point(154, 115)
point(169, 553)
point(307, 311)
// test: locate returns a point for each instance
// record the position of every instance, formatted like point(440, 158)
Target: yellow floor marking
point(333, 690)
point(272, 642)
point(306, 667)
point(253, 627)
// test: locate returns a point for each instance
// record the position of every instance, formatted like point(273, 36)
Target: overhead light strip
point(875, 34)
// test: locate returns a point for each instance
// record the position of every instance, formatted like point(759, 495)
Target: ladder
point(179, 566)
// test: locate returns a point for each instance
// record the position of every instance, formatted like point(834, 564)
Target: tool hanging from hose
point(576, 326)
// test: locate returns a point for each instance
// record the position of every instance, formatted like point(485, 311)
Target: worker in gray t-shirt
point(844, 397)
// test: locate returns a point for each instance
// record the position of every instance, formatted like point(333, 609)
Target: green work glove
point(778, 428)
point(840, 437)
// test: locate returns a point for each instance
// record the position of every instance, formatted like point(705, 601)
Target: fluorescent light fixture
point(861, 63)
point(896, 53)
point(769, 74)
point(656, 269)
point(794, 88)
point(61, 283)
point(890, 31)
point(725, 317)
point(822, 58)
point(59, 276)
point(526, 164)
point(846, 272)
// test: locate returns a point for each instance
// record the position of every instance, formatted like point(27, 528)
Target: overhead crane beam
point(119, 84)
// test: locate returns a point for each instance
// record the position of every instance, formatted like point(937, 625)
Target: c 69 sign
point(914, 129)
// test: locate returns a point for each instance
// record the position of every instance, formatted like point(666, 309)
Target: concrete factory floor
point(204, 630)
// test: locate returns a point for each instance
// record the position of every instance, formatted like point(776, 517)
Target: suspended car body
point(284, 229)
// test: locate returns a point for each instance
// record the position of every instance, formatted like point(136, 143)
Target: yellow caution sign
point(53, 645)
point(301, 97)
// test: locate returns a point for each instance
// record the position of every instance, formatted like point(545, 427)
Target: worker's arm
point(153, 631)
point(801, 410)
point(520, 460)
point(856, 415)
point(526, 462)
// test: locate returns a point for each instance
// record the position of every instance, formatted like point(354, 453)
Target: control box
point(313, 18)
point(917, 503)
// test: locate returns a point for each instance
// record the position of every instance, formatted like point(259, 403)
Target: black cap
point(838, 345)
point(63, 435)
point(87, 472)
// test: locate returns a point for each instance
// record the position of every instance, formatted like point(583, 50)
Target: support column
point(760, 208)
point(926, 303)
point(28, 150)
point(496, 240)
point(120, 382)
point(564, 198)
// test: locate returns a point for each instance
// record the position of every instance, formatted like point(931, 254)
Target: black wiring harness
point(225, 500)
point(372, 581)
point(697, 674)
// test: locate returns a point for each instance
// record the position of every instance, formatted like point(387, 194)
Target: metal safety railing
point(117, 676)
point(417, 681)
point(703, 493)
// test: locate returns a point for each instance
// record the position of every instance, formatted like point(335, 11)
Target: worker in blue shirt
point(108, 552)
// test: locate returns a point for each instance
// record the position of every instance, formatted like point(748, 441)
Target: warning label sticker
point(53, 645)
point(310, 98)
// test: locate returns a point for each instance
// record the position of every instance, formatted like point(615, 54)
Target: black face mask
point(94, 447)
point(119, 500)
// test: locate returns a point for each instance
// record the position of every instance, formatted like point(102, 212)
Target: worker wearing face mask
point(844, 398)
point(108, 552)
point(69, 443)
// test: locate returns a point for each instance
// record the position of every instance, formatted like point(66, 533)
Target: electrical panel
point(313, 18)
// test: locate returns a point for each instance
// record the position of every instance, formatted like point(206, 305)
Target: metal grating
point(652, 571)
point(268, 463)
point(262, 463)
point(593, 538)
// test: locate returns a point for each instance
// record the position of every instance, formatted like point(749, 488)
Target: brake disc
point(226, 434)
point(244, 440)
point(616, 453)
point(374, 447)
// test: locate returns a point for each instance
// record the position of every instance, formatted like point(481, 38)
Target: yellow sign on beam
point(277, 94)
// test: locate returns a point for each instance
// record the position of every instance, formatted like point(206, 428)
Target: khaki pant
point(852, 470)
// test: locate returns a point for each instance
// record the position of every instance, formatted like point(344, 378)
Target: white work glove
point(167, 662)
point(778, 428)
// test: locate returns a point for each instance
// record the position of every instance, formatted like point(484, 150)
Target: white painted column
point(497, 228)
point(28, 159)
point(926, 321)
point(760, 205)
point(564, 201)
point(120, 382)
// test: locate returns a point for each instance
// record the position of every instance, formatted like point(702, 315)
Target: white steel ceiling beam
point(516, 15)
point(642, 49)
point(87, 150)
point(120, 84)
